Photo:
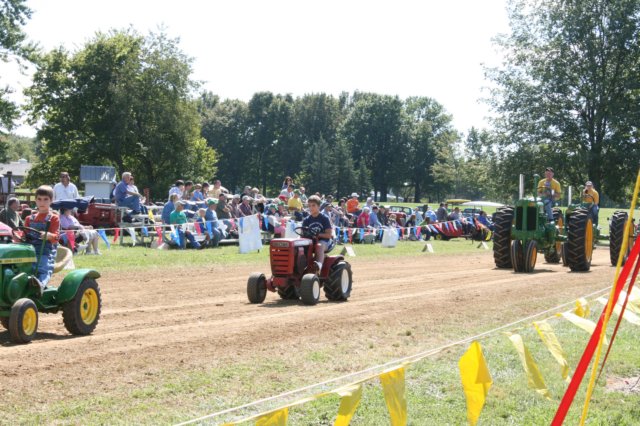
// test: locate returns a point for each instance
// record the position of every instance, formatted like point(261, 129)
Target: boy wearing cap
point(550, 192)
point(590, 195)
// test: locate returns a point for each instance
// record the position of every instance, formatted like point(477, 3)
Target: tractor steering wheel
point(303, 231)
point(22, 237)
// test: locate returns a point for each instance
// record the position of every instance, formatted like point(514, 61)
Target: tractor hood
point(17, 253)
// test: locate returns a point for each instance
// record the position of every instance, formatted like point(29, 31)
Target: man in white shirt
point(65, 190)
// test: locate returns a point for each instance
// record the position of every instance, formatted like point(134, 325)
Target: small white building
point(98, 180)
point(18, 169)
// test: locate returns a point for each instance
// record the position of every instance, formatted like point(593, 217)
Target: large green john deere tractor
point(78, 296)
point(523, 231)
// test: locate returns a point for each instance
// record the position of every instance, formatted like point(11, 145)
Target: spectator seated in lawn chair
point(126, 196)
point(213, 233)
point(275, 220)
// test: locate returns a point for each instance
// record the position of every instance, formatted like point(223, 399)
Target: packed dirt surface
point(184, 319)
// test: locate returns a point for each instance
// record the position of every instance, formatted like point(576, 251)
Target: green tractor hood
point(17, 253)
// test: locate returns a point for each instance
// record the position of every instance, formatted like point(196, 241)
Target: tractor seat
point(63, 256)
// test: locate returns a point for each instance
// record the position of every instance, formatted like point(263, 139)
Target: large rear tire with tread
point(338, 285)
point(579, 245)
point(23, 321)
point(616, 237)
point(82, 313)
point(310, 289)
point(502, 238)
point(256, 288)
point(288, 293)
point(553, 255)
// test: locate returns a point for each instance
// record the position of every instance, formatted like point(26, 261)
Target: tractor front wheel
point(517, 256)
point(338, 286)
point(579, 245)
point(616, 237)
point(310, 289)
point(81, 314)
point(502, 238)
point(256, 288)
point(23, 321)
point(530, 256)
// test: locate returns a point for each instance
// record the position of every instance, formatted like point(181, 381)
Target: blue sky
point(405, 48)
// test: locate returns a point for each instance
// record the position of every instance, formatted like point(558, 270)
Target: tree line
point(565, 96)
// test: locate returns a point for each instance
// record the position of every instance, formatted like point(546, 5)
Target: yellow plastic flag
point(550, 340)
point(582, 308)
point(476, 380)
point(530, 367)
point(585, 324)
point(350, 398)
point(393, 388)
point(628, 315)
point(274, 418)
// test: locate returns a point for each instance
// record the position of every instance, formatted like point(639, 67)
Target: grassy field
point(433, 386)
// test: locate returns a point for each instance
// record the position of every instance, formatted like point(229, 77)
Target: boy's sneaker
point(37, 286)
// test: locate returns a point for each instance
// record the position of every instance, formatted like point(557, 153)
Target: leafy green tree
point(428, 126)
point(567, 95)
point(225, 128)
point(123, 100)
point(319, 167)
point(17, 147)
point(13, 47)
point(374, 130)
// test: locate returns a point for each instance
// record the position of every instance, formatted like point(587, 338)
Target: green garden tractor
point(78, 296)
point(523, 231)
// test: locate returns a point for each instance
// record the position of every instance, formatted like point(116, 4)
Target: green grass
point(120, 258)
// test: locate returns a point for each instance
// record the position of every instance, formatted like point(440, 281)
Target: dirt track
point(192, 319)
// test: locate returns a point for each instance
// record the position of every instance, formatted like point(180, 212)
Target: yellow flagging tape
point(534, 377)
point(393, 387)
point(349, 400)
point(582, 308)
point(617, 309)
point(476, 381)
point(550, 340)
point(607, 311)
point(274, 418)
point(583, 323)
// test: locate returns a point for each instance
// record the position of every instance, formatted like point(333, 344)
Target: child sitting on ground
point(43, 236)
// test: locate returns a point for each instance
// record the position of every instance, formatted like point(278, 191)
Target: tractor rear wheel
point(310, 289)
point(530, 256)
point(579, 245)
point(288, 293)
point(23, 321)
point(81, 314)
point(553, 254)
point(616, 236)
point(502, 237)
point(256, 288)
point(517, 256)
point(338, 285)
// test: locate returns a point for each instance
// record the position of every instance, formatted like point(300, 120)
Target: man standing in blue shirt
point(318, 225)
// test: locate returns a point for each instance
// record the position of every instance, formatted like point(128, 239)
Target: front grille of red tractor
point(281, 258)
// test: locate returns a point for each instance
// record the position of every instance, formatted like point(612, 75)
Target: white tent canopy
point(482, 204)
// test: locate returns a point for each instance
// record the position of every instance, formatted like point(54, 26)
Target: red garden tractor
point(295, 274)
